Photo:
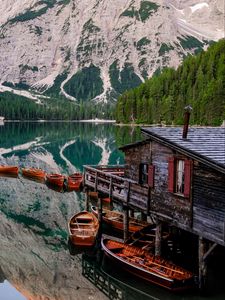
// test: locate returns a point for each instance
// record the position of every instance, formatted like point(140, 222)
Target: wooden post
point(158, 238)
point(126, 215)
point(131, 213)
point(143, 216)
point(110, 189)
point(202, 268)
point(100, 219)
point(96, 181)
point(148, 201)
point(87, 199)
point(125, 223)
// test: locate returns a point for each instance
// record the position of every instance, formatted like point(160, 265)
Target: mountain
point(96, 49)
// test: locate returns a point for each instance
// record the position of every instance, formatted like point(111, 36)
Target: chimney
point(187, 113)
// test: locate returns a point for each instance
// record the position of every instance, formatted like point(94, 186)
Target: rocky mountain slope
point(96, 49)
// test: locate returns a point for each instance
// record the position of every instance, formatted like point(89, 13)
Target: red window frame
point(172, 175)
point(147, 176)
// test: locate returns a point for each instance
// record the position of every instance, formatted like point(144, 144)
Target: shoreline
point(60, 121)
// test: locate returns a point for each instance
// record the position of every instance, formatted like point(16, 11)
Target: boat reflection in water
point(34, 256)
point(109, 285)
point(119, 285)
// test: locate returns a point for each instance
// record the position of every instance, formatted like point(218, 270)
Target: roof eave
point(189, 153)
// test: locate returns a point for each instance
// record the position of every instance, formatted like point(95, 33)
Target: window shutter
point(187, 177)
point(151, 175)
point(171, 166)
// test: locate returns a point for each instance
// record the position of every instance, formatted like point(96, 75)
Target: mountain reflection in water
point(34, 255)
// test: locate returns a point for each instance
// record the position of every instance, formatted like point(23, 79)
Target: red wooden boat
point(55, 179)
point(13, 170)
point(147, 266)
point(115, 220)
point(83, 228)
point(75, 181)
point(34, 173)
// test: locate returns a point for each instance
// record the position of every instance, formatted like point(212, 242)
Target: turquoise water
point(35, 261)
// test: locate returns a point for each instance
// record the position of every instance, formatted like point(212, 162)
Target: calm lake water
point(35, 260)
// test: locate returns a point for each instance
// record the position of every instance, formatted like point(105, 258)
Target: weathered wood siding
point(209, 203)
point(173, 207)
point(203, 213)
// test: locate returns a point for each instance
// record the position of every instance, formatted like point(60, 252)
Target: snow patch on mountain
point(95, 50)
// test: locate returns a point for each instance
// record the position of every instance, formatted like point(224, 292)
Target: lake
point(35, 260)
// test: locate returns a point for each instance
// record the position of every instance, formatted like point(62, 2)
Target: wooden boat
point(74, 181)
point(147, 266)
point(55, 179)
point(34, 173)
point(145, 238)
point(115, 220)
point(83, 228)
point(9, 170)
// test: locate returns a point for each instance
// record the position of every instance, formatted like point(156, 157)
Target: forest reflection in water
point(34, 256)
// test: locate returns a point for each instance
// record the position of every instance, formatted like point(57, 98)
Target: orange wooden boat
point(34, 173)
point(9, 170)
point(115, 220)
point(55, 179)
point(74, 181)
point(147, 266)
point(83, 228)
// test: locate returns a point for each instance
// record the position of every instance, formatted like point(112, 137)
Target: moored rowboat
point(115, 220)
point(55, 179)
point(75, 181)
point(34, 173)
point(83, 228)
point(9, 170)
point(147, 266)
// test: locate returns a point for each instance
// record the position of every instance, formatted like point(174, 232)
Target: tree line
point(14, 107)
point(199, 82)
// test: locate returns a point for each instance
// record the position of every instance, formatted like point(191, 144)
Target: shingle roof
point(205, 143)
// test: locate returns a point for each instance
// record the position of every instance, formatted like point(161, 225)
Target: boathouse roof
point(205, 144)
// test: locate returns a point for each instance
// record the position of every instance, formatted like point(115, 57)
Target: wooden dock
point(109, 181)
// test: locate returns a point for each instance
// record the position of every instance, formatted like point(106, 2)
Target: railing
point(110, 181)
point(113, 288)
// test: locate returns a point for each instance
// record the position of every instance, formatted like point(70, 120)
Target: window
point(147, 174)
point(179, 185)
point(179, 176)
point(143, 173)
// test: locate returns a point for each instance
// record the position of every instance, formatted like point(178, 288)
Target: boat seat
point(113, 218)
point(86, 224)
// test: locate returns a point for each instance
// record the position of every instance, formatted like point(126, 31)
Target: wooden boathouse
point(176, 177)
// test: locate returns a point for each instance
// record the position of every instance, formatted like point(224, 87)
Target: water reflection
point(34, 254)
point(62, 146)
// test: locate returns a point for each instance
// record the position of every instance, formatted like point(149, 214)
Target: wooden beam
point(125, 223)
point(209, 251)
point(202, 267)
point(158, 238)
